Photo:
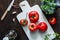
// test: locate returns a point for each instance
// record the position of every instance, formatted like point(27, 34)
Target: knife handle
point(3, 16)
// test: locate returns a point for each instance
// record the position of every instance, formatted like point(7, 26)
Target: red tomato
point(23, 22)
point(32, 27)
point(52, 20)
point(42, 26)
point(33, 16)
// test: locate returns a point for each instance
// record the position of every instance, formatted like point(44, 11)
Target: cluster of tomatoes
point(34, 17)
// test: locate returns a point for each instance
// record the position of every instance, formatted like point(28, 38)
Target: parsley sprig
point(48, 6)
point(47, 37)
point(56, 38)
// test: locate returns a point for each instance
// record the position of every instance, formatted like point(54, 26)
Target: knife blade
point(8, 9)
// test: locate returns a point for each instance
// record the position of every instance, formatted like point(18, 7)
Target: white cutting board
point(34, 35)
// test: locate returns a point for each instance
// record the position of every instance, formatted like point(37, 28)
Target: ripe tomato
point(32, 27)
point(23, 22)
point(33, 16)
point(52, 20)
point(42, 26)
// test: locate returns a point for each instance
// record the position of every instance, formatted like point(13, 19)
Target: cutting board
point(34, 35)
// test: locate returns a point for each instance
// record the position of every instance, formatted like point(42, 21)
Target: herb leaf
point(56, 38)
point(48, 6)
point(47, 37)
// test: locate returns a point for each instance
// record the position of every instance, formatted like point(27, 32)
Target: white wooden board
point(34, 35)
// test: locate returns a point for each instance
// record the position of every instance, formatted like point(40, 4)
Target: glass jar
point(11, 35)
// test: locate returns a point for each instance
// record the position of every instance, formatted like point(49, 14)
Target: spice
point(13, 19)
point(14, 12)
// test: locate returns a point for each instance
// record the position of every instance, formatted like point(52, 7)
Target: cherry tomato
point(52, 20)
point(23, 22)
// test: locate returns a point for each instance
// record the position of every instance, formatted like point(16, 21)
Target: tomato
point(33, 16)
point(42, 26)
point(52, 20)
point(32, 27)
point(23, 22)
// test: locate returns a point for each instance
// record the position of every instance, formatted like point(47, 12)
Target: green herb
point(48, 6)
point(46, 37)
point(56, 38)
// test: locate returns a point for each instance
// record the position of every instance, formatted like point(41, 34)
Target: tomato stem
point(32, 26)
point(33, 16)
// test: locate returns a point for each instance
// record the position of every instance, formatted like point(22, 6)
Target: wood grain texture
point(8, 24)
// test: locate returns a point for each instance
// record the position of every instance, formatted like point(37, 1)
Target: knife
point(8, 9)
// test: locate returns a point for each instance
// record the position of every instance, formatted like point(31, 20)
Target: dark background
point(8, 24)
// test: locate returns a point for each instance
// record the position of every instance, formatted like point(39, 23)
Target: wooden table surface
point(8, 24)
